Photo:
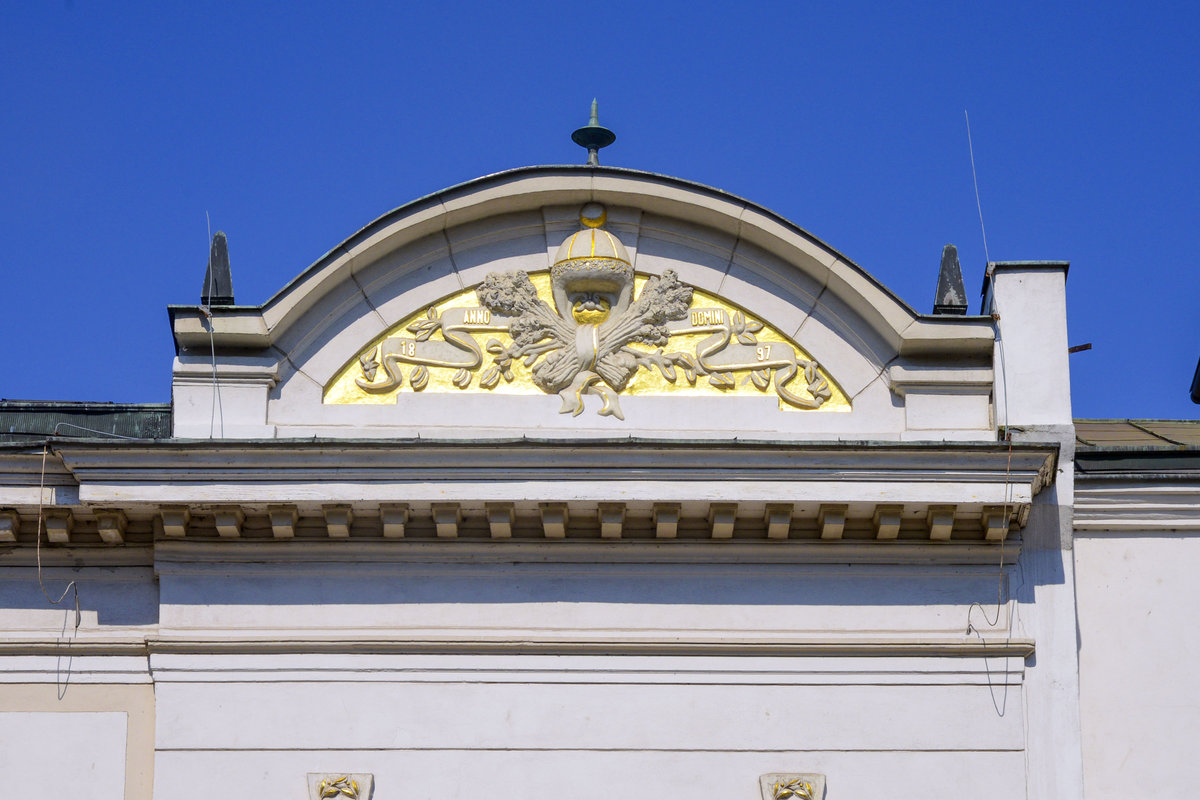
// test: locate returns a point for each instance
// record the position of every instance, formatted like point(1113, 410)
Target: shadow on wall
point(117, 596)
point(695, 585)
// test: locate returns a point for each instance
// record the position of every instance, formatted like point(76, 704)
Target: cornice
point(962, 647)
point(188, 554)
point(517, 459)
point(895, 502)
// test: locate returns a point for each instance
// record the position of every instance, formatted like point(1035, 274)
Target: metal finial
point(593, 136)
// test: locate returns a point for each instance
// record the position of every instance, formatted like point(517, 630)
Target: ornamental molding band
point(589, 325)
point(340, 785)
point(792, 786)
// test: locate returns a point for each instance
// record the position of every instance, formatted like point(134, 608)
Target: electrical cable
point(70, 587)
point(41, 510)
point(90, 430)
point(206, 309)
point(1002, 706)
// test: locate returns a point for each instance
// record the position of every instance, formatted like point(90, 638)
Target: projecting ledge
point(962, 647)
point(188, 554)
point(231, 327)
point(676, 471)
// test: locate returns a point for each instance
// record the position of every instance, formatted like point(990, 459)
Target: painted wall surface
point(70, 721)
point(645, 602)
point(116, 601)
point(455, 722)
point(47, 754)
point(1138, 647)
point(706, 727)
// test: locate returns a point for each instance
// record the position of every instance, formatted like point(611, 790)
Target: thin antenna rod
point(978, 205)
point(206, 309)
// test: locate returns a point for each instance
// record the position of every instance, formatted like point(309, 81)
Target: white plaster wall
point(590, 714)
point(1138, 648)
point(117, 605)
point(464, 722)
point(112, 601)
point(1033, 384)
point(596, 727)
point(63, 755)
point(630, 601)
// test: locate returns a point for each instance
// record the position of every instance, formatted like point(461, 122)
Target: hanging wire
point(90, 430)
point(206, 309)
point(1001, 706)
point(71, 587)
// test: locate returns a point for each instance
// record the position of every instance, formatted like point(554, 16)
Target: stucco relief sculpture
point(343, 786)
point(792, 786)
point(601, 327)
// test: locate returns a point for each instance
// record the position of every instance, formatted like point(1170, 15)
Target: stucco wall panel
point(785, 601)
point(701, 256)
point(587, 715)
point(1140, 707)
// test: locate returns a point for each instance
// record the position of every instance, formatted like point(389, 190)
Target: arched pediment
point(388, 334)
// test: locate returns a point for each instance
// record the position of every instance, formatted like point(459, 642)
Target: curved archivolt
point(459, 345)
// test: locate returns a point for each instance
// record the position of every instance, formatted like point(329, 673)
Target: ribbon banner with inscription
point(505, 337)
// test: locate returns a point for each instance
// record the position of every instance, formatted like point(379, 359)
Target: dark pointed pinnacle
point(951, 296)
point(593, 136)
point(218, 281)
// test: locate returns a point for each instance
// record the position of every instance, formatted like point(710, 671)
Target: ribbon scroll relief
point(588, 326)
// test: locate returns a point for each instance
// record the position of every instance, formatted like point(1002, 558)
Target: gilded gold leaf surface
point(421, 333)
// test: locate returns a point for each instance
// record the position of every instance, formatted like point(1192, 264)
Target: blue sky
point(294, 124)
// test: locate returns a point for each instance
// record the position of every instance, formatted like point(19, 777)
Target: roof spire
point(951, 296)
point(218, 281)
point(593, 136)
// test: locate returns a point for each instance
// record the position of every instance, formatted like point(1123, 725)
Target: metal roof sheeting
point(1137, 433)
point(31, 420)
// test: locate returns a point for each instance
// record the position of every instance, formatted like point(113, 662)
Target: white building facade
point(593, 482)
